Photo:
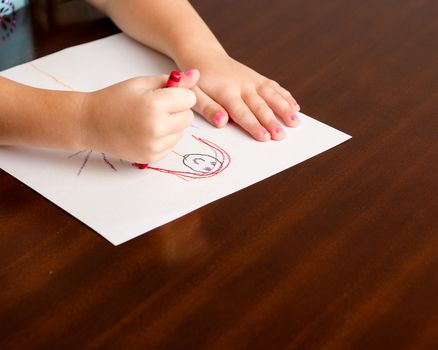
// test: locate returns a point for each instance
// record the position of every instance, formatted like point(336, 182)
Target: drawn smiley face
point(202, 163)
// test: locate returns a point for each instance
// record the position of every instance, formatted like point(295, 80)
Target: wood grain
point(339, 252)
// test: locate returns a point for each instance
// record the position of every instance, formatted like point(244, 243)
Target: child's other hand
point(228, 88)
point(138, 120)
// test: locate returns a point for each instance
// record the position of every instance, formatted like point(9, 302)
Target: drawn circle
point(202, 163)
point(8, 18)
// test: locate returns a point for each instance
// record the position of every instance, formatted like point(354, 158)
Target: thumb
point(189, 78)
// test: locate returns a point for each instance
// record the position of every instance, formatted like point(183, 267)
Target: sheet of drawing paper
point(120, 201)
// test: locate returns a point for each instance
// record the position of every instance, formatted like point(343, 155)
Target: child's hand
point(138, 120)
point(229, 88)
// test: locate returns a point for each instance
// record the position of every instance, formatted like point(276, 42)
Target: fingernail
point(189, 73)
point(279, 130)
point(266, 134)
point(217, 118)
point(295, 120)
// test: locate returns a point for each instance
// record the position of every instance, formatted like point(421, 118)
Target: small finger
point(287, 96)
point(265, 115)
point(242, 115)
point(282, 108)
point(213, 112)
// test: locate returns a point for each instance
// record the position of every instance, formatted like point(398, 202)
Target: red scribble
point(220, 155)
point(224, 160)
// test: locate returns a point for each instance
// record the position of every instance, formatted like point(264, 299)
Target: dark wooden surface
point(339, 252)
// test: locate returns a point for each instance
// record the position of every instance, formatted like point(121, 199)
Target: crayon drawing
point(195, 166)
point(120, 201)
point(87, 157)
point(188, 167)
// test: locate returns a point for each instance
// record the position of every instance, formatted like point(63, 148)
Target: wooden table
point(339, 252)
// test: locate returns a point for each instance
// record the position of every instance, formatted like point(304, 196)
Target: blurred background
point(30, 29)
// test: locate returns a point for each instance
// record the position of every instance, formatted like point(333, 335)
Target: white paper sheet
point(121, 202)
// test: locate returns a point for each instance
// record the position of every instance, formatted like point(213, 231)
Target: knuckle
point(248, 88)
point(284, 106)
point(229, 92)
point(261, 109)
point(245, 117)
point(152, 149)
point(239, 112)
point(157, 130)
point(273, 83)
point(265, 90)
point(149, 145)
point(284, 93)
point(155, 104)
point(285, 111)
point(287, 93)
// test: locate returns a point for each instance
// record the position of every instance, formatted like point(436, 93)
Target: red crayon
point(173, 81)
